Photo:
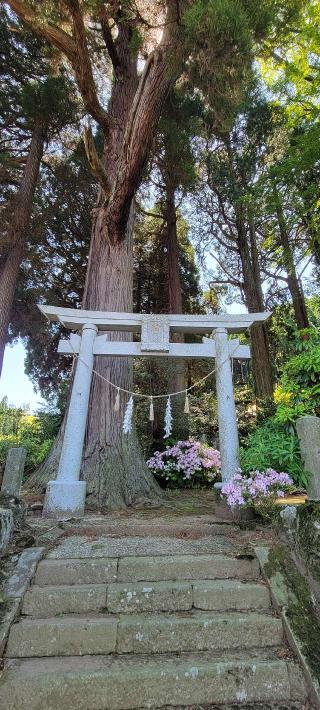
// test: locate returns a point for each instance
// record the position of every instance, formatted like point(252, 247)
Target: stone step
point(140, 569)
point(63, 636)
point(216, 595)
point(102, 570)
point(229, 594)
point(97, 683)
point(133, 597)
point(196, 632)
point(142, 633)
point(43, 602)
point(83, 571)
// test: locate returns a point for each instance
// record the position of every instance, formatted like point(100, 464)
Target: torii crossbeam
point(66, 495)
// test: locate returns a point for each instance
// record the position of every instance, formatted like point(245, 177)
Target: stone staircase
point(118, 633)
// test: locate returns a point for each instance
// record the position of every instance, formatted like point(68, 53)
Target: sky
point(19, 389)
point(14, 383)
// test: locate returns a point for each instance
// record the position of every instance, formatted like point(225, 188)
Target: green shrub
point(275, 443)
point(36, 450)
point(298, 392)
point(20, 428)
point(272, 445)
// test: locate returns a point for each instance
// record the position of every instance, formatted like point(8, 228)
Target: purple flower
point(188, 457)
point(244, 490)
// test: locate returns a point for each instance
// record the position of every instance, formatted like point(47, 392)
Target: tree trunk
point(174, 280)
point(16, 219)
point(47, 471)
point(177, 381)
point(113, 465)
point(252, 288)
point(9, 270)
point(261, 364)
point(296, 292)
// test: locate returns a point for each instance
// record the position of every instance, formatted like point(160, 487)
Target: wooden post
point(66, 495)
point(227, 416)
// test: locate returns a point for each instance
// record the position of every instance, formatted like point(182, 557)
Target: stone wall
point(6, 529)
point(302, 525)
point(12, 518)
point(308, 430)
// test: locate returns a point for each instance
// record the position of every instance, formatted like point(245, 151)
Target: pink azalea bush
point(258, 488)
point(186, 464)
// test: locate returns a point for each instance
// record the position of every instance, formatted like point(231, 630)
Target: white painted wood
point(129, 349)
point(70, 346)
point(69, 466)
point(64, 499)
point(71, 454)
point(74, 319)
point(237, 351)
point(227, 416)
point(102, 346)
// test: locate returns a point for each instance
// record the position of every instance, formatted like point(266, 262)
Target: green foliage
point(20, 428)
point(150, 287)
point(283, 331)
point(298, 392)
point(224, 35)
point(174, 479)
point(55, 269)
point(220, 42)
point(52, 99)
point(292, 70)
point(22, 55)
point(224, 19)
point(177, 126)
point(271, 445)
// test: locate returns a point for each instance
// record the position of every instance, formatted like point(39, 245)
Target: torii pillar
point(66, 495)
point(227, 415)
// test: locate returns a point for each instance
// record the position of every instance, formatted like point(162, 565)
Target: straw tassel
point(168, 419)
point(151, 410)
point(187, 404)
point(117, 401)
point(127, 421)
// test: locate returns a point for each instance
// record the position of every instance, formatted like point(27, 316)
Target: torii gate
point(66, 495)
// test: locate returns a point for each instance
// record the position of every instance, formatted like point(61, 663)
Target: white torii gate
point(66, 495)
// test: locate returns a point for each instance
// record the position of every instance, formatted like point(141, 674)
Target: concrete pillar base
point(64, 499)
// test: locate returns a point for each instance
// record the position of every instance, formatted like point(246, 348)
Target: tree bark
point(174, 280)
point(296, 292)
point(16, 219)
point(251, 277)
point(121, 461)
point(261, 363)
point(113, 465)
point(177, 381)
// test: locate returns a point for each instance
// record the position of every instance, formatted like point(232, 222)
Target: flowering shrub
point(259, 488)
point(298, 391)
point(186, 464)
point(272, 445)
